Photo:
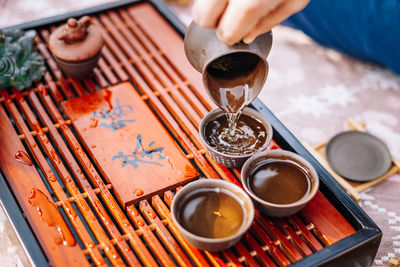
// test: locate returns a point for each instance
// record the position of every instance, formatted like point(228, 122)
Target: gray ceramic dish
point(214, 244)
point(233, 161)
point(272, 209)
point(358, 156)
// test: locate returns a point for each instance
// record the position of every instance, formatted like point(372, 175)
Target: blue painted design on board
point(141, 155)
point(113, 116)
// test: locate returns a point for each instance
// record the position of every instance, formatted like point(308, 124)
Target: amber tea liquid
point(250, 135)
point(211, 213)
point(280, 181)
point(233, 81)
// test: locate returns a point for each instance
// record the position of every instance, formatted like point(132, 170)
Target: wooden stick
point(366, 185)
point(353, 125)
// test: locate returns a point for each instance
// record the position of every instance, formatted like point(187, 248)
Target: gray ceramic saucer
point(358, 156)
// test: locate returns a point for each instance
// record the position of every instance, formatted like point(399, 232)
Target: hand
point(237, 20)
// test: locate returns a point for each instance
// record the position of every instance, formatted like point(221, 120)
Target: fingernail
point(229, 41)
point(220, 35)
point(248, 40)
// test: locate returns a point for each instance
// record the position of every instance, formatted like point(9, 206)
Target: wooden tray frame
point(359, 248)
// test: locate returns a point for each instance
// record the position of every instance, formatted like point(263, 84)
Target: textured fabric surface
point(313, 91)
point(367, 29)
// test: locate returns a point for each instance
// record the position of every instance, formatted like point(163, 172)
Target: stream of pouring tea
point(233, 81)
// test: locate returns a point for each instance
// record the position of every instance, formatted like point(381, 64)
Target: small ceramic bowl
point(79, 69)
point(233, 161)
point(213, 244)
point(279, 210)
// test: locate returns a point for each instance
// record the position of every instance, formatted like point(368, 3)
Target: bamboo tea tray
point(90, 190)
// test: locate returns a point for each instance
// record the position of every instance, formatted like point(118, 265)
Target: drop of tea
point(49, 213)
point(22, 157)
point(107, 97)
point(138, 192)
point(211, 213)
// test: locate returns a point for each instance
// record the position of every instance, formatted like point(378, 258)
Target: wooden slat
point(90, 85)
point(144, 44)
point(261, 254)
point(112, 206)
point(78, 87)
point(170, 43)
point(241, 249)
point(312, 242)
point(157, 64)
point(294, 237)
point(150, 79)
point(148, 235)
point(164, 235)
point(275, 252)
point(162, 209)
point(114, 65)
point(329, 223)
point(47, 171)
point(232, 258)
point(99, 78)
point(90, 217)
point(22, 180)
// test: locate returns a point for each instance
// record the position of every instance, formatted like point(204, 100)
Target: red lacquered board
point(128, 144)
point(87, 170)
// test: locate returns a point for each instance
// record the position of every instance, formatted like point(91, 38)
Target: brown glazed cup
point(213, 244)
point(233, 161)
point(80, 69)
point(272, 209)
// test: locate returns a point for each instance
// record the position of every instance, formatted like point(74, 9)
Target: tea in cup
point(281, 182)
point(212, 214)
point(253, 133)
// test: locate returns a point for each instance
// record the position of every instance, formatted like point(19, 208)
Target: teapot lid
point(77, 40)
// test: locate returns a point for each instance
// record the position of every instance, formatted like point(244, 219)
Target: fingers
point(206, 13)
point(240, 17)
point(243, 19)
point(275, 17)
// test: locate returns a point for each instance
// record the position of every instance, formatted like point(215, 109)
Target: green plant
point(20, 65)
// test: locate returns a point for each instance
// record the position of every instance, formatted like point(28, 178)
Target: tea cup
point(224, 158)
point(179, 204)
point(275, 209)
